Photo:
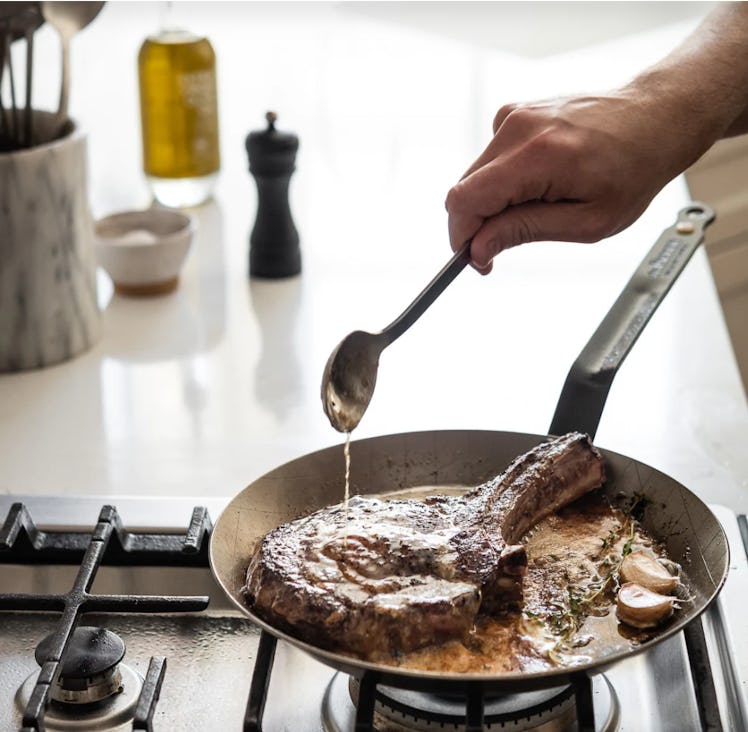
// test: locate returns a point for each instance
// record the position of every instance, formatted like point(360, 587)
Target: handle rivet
point(685, 227)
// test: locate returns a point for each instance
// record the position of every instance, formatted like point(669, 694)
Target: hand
point(581, 169)
point(577, 169)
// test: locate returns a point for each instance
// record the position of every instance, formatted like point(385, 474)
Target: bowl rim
point(185, 226)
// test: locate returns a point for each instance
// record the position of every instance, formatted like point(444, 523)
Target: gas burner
point(114, 712)
point(89, 671)
point(399, 710)
point(93, 690)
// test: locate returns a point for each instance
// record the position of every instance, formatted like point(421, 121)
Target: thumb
point(535, 221)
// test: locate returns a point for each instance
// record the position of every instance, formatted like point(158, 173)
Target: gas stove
point(110, 620)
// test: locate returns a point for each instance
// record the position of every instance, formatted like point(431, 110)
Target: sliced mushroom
point(644, 569)
point(642, 608)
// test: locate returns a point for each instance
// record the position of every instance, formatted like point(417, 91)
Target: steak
point(391, 576)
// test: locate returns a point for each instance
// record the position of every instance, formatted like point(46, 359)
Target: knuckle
point(523, 231)
point(533, 117)
point(502, 114)
point(517, 230)
point(455, 200)
point(518, 118)
point(560, 144)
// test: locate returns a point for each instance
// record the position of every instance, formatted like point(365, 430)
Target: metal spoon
point(6, 119)
point(17, 20)
point(67, 18)
point(30, 21)
point(351, 371)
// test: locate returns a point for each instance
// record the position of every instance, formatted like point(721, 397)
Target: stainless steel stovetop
point(691, 682)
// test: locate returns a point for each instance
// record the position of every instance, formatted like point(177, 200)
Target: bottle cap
point(270, 151)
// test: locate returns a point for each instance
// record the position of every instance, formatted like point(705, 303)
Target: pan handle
point(582, 399)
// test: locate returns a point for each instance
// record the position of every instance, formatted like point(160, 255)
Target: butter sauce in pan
point(568, 616)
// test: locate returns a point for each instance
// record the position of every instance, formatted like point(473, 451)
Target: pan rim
point(525, 679)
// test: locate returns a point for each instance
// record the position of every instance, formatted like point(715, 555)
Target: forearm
point(703, 84)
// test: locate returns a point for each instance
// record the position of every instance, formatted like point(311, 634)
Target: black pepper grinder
point(274, 242)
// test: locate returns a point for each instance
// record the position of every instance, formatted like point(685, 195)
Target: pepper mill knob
point(274, 242)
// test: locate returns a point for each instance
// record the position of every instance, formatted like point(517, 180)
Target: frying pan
point(689, 531)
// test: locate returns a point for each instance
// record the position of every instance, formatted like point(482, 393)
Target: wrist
point(683, 120)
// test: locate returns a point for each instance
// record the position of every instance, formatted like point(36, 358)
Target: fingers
point(491, 183)
point(462, 227)
point(485, 157)
point(487, 192)
point(491, 150)
point(536, 221)
point(482, 270)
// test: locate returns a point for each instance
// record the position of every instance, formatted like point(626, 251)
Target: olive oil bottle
point(179, 116)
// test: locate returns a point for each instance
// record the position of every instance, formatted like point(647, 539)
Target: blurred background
point(391, 102)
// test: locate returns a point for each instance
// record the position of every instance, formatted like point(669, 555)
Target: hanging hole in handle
point(687, 218)
point(695, 212)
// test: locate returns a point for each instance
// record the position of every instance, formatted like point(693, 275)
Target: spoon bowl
point(350, 377)
point(350, 374)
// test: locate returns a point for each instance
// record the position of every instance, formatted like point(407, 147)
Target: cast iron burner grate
point(477, 695)
point(109, 543)
point(474, 693)
point(22, 542)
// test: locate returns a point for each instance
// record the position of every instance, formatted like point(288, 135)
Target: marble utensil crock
point(48, 306)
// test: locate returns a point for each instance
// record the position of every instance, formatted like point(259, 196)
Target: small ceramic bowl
point(143, 251)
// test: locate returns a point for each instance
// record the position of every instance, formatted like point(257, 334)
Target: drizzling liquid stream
point(347, 454)
point(347, 493)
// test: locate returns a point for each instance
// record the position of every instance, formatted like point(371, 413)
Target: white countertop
point(200, 392)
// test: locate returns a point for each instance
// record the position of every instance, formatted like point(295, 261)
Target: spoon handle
point(62, 108)
point(15, 135)
point(434, 288)
point(4, 122)
point(27, 117)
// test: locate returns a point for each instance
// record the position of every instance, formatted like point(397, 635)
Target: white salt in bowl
point(143, 251)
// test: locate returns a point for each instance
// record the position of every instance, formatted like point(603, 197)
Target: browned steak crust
point(402, 574)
